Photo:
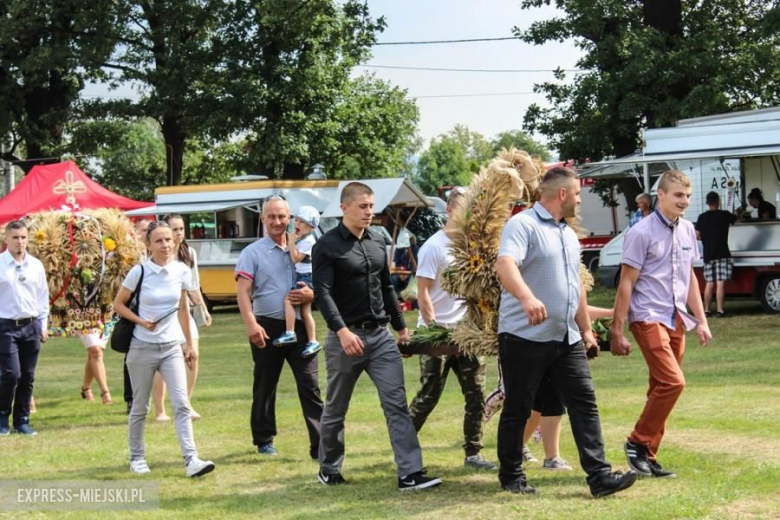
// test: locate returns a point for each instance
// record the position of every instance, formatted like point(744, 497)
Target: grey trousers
point(382, 361)
point(143, 360)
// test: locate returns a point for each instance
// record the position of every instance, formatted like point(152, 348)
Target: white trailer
point(740, 149)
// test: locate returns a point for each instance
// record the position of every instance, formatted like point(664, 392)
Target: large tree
point(453, 157)
point(444, 163)
point(648, 64)
point(275, 72)
point(293, 62)
point(372, 132)
point(477, 149)
point(522, 141)
point(49, 49)
point(166, 50)
point(128, 157)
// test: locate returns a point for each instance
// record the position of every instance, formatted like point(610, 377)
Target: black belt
point(21, 322)
point(368, 324)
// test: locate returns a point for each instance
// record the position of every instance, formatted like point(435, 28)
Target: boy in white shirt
point(300, 244)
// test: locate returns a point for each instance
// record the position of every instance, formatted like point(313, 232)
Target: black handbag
point(122, 334)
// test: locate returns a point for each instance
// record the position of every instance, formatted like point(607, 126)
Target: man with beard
point(543, 309)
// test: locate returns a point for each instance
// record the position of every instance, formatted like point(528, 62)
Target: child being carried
point(307, 218)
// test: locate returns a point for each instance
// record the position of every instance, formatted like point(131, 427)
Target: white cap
point(308, 214)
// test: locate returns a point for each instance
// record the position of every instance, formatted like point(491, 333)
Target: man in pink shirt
point(656, 283)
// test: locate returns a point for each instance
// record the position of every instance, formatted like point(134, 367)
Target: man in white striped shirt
point(23, 326)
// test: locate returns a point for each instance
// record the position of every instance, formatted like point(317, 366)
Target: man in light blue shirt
point(645, 204)
point(543, 324)
point(264, 274)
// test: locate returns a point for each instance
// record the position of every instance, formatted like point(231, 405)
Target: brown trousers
point(663, 351)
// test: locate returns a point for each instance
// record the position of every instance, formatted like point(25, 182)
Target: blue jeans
point(524, 364)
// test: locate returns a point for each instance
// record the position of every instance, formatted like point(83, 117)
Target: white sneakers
point(198, 468)
point(139, 467)
point(195, 468)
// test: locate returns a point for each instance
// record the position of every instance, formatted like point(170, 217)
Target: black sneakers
point(417, 481)
point(658, 471)
point(331, 479)
point(636, 455)
point(612, 483)
point(520, 487)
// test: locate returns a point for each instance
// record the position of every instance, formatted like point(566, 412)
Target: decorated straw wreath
point(86, 256)
point(512, 177)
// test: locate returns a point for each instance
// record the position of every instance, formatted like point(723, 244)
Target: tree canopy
point(453, 157)
point(48, 50)
point(274, 76)
point(444, 163)
point(130, 156)
point(649, 63)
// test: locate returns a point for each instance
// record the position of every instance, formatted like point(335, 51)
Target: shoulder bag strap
point(135, 297)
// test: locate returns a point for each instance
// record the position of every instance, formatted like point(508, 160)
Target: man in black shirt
point(712, 228)
point(353, 292)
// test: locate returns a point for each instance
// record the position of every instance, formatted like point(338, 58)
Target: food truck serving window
point(201, 226)
point(219, 252)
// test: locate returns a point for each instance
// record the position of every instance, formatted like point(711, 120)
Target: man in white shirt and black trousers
point(23, 327)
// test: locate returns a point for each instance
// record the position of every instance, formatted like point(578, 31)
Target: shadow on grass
point(298, 498)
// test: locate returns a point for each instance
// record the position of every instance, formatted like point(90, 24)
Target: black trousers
point(19, 349)
point(268, 366)
point(524, 365)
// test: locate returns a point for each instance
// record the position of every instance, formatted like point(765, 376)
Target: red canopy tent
point(52, 186)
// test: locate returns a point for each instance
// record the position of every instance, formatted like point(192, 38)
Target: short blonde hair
point(673, 177)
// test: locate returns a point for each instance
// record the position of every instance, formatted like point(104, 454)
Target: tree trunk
point(175, 141)
point(664, 15)
point(48, 98)
point(629, 187)
point(293, 171)
point(43, 105)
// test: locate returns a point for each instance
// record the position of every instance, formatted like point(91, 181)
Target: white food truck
point(222, 219)
point(730, 154)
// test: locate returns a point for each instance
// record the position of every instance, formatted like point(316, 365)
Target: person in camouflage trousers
point(470, 371)
point(437, 306)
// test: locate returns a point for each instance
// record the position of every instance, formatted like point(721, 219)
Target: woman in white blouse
point(156, 344)
point(185, 254)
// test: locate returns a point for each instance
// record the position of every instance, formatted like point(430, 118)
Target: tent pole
point(395, 236)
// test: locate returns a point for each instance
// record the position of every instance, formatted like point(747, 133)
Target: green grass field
point(723, 440)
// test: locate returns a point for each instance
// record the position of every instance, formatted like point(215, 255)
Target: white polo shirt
point(160, 292)
point(432, 259)
point(23, 289)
